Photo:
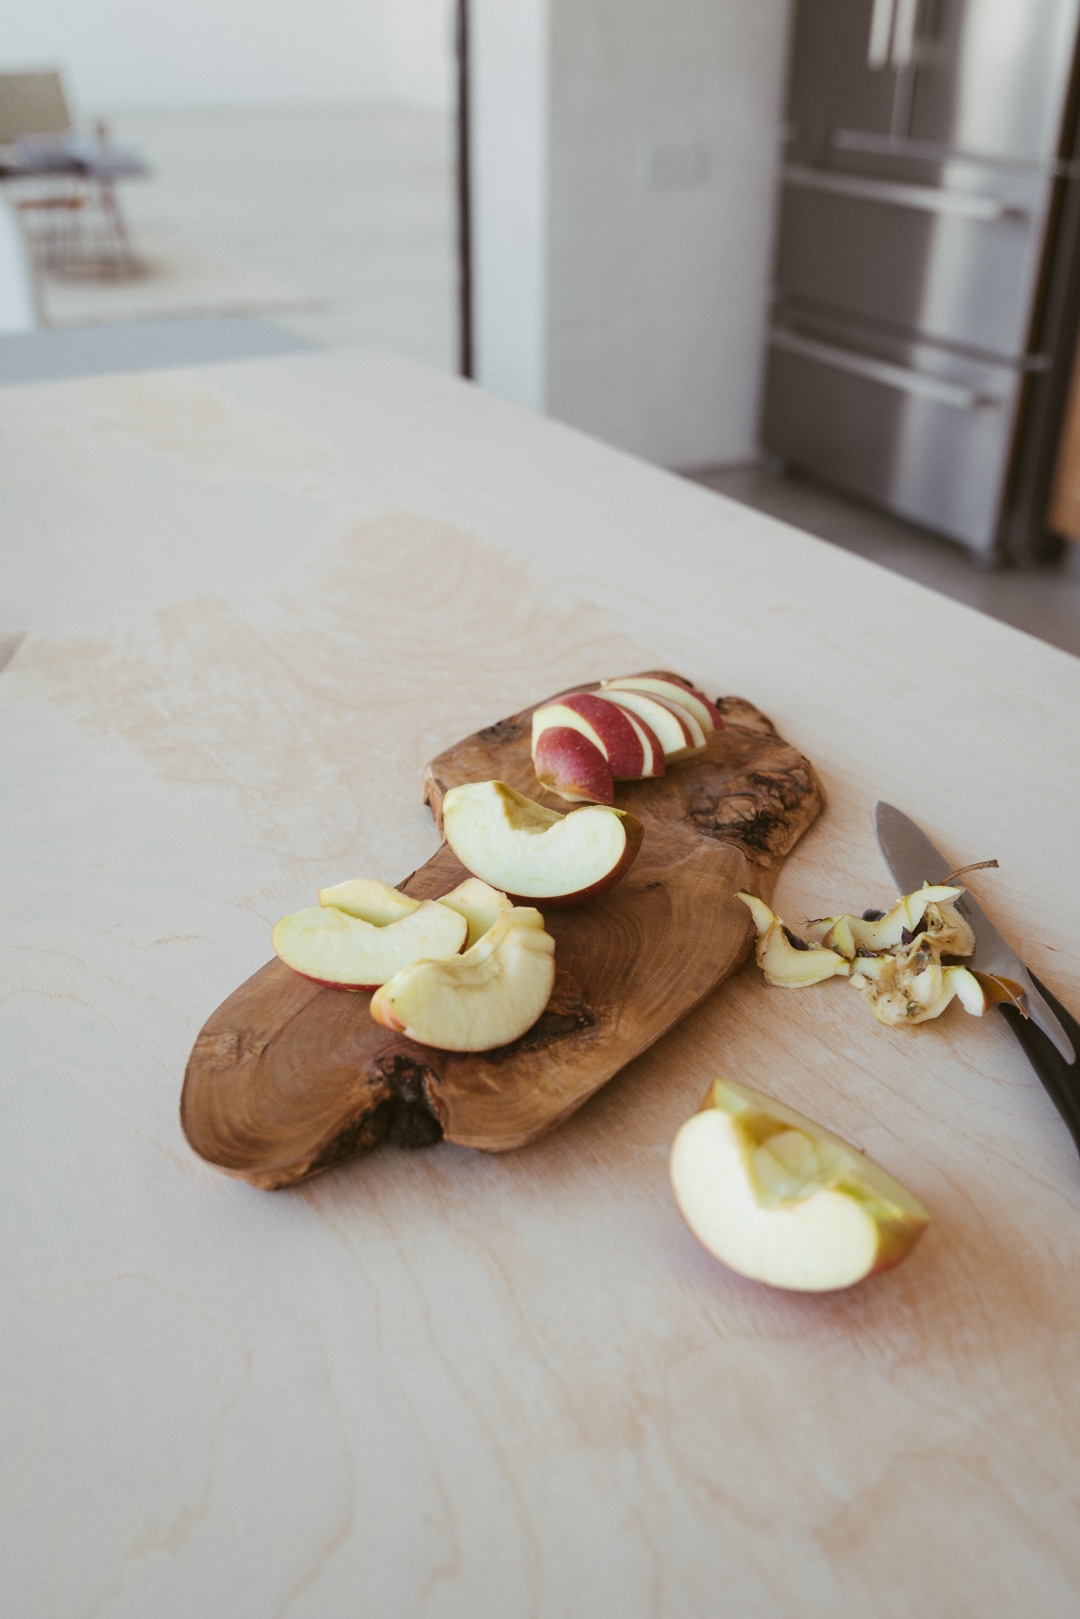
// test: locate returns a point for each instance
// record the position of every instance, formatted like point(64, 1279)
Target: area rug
point(182, 275)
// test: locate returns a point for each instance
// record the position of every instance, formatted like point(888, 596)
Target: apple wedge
point(480, 905)
point(370, 900)
point(345, 952)
point(534, 853)
point(567, 763)
point(631, 749)
point(695, 702)
point(779, 1199)
point(485, 998)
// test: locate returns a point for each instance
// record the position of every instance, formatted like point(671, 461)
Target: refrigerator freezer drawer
point(917, 431)
point(952, 265)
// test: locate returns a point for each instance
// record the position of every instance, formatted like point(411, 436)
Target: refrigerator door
point(841, 74)
point(949, 251)
point(905, 425)
point(992, 76)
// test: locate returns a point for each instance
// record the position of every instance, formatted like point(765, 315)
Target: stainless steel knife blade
point(913, 859)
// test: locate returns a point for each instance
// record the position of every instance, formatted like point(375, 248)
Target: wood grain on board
point(289, 1077)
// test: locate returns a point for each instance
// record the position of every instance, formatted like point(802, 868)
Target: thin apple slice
point(695, 702)
point(677, 730)
point(535, 853)
point(629, 746)
point(567, 763)
point(370, 900)
point(345, 952)
point(778, 1198)
point(481, 906)
point(485, 998)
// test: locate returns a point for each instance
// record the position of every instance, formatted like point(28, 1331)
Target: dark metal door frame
point(464, 196)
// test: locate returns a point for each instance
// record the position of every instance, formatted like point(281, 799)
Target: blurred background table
point(241, 606)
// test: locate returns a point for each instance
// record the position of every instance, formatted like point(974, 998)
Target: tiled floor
point(1044, 602)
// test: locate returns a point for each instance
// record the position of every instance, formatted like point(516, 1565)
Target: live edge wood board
point(288, 1077)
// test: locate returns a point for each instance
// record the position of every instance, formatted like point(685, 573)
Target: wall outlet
point(672, 165)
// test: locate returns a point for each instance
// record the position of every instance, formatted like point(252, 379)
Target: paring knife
point(1050, 1035)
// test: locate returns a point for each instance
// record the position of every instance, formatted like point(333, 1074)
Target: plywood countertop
point(256, 598)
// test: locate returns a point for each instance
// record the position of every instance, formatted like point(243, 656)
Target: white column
point(624, 163)
point(509, 142)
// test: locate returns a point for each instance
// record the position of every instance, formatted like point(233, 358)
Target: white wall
point(509, 56)
point(654, 294)
point(186, 53)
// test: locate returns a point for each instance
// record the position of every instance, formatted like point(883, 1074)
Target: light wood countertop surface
point(256, 599)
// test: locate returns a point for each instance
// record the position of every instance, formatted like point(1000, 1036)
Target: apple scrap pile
point(473, 970)
point(895, 959)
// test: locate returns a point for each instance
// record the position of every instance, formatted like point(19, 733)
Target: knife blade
point(1049, 1033)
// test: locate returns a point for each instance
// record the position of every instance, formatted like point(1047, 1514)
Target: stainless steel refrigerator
point(926, 279)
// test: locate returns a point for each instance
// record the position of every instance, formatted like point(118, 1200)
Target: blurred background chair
point(65, 182)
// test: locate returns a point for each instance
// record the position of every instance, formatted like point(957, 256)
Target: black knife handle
point(1061, 1078)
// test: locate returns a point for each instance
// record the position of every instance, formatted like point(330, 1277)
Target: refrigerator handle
point(903, 40)
point(919, 383)
point(881, 27)
point(934, 199)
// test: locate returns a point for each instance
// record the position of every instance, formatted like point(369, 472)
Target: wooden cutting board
point(288, 1077)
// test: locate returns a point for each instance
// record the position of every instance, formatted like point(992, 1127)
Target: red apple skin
point(569, 764)
point(625, 754)
point(656, 765)
point(656, 759)
point(676, 681)
point(717, 717)
point(331, 983)
point(564, 902)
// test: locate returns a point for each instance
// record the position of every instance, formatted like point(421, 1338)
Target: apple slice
point(480, 905)
point(779, 1199)
point(345, 952)
point(535, 853)
point(370, 900)
point(485, 998)
point(631, 749)
point(567, 763)
point(678, 731)
point(695, 702)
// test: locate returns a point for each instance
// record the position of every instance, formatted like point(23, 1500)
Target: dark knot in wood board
point(566, 1014)
point(402, 1117)
point(754, 809)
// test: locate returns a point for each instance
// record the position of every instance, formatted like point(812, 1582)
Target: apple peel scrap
point(893, 958)
point(779, 1199)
